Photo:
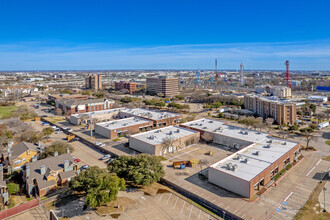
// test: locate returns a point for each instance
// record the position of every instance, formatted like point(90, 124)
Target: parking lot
point(86, 154)
point(162, 206)
point(279, 202)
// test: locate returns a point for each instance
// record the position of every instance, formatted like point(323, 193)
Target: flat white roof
point(221, 128)
point(102, 112)
point(156, 137)
point(259, 156)
point(153, 115)
point(121, 123)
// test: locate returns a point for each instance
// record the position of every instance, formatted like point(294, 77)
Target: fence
point(18, 209)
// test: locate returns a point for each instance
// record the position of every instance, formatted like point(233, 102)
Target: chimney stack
point(27, 171)
point(66, 166)
point(42, 169)
point(55, 154)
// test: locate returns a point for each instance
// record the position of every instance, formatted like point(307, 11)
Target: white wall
point(142, 146)
point(102, 131)
point(229, 182)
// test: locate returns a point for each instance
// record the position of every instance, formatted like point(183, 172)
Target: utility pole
point(38, 102)
point(91, 118)
point(324, 189)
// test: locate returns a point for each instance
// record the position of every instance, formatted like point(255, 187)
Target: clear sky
point(164, 34)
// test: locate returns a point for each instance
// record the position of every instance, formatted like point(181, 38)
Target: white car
point(98, 143)
point(85, 167)
point(107, 156)
point(102, 145)
point(69, 129)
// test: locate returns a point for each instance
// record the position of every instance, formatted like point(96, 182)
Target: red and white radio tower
point(287, 78)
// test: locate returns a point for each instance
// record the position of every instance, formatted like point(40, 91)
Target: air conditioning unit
point(229, 166)
point(284, 143)
point(257, 153)
point(246, 160)
point(234, 167)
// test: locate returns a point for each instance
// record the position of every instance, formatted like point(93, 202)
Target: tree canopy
point(58, 146)
point(99, 185)
point(12, 188)
point(143, 169)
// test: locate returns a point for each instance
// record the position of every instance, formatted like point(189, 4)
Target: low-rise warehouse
point(163, 140)
point(114, 129)
point(159, 118)
point(252, 168)
point(84, 118)
point(258, 159)
point(224, 134)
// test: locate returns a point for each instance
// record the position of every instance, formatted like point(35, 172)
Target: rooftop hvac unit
point(246, 132)
point(236, 146)
point(257, 153)
point(270, 141)
point(234, 168)
point(170, 133)
point(210, 121)
point(229, 166)
point(204, 127)
point(284, 143)
point(203, 120)
point(241, 132)
point(200, 124)
point(239, 157)
point(269, 145)
point(151, 137)
point(178, 130)
point(246, 160)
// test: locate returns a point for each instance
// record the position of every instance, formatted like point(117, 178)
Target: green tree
point(294, 127)
point(12, 188)
point(47, 131)
point(143, 169)
point(313, 107)
point(99, 185)
point(58, 146)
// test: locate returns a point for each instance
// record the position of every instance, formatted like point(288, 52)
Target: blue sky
point(164, 34)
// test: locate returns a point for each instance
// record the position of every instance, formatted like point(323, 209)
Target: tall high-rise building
point(282, 112)
point(93, 81)
point(169, 87)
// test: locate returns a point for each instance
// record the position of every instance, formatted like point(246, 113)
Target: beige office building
point(93, 81)
point(282, 112)
point(169, 87)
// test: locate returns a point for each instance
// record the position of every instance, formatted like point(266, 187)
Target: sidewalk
point(327, 197)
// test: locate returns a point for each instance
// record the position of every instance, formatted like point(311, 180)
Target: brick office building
point(93, 81)
point(130, 86)
point(114, 129)
point(169, 87)
point(72, 106)
point(158, 118)
point(282, 112)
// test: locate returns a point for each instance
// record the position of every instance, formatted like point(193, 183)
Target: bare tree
point(167, 142)
point(309, 136)
point(269, 123)
point(202, 163)
point(207, 137)
point(58, 111)
point(283, 134)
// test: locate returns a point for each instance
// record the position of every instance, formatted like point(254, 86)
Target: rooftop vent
point(270, 141)
point(238, 157)
point(241, 132)
point(203, 120)
point(200, 124)
point(204, 127)
point(246, 160)
point(178, 130)
point(234, 168)
point(229, 166)
point(284, 143)
point(246, 132)
point(210, 121)
point(257, 153)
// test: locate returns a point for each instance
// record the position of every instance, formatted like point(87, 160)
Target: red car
point(77, 160)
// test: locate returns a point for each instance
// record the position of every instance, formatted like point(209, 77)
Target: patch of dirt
point(153, 189)
point(115, 208)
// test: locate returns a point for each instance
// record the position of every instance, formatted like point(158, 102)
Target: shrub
point(12, 188)
point(288, 167)
point(277, 176)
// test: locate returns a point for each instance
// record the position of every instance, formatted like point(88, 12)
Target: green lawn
point(5, 111)
point(327, 142)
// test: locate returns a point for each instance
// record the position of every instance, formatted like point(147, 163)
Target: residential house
point(43, 176)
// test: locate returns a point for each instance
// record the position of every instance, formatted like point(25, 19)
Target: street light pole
point(224, 215)
point(324, 189)
point(91, 119)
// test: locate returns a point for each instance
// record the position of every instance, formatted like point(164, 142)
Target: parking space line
point(190, 211)
point(182, 207)
point(199, 214)
point(161, 196)
point(169, 198)
point(176, 202)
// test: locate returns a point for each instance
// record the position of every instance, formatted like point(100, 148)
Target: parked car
point(45, 123)
point(85, 167)
point(58, 132)
point(107, 156)
point(77, 160)
point(98, 143)
point(69, 130)
point(102, 145)
point(111, 159)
